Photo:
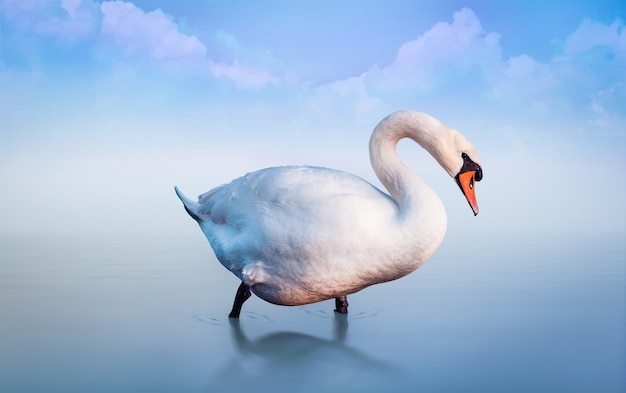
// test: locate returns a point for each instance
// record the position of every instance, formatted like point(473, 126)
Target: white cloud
point(592, 63)
point(446, 49)
point(438, 63)
point(456, 60)
point(607, 106)
point(521, 66)
point(462, 41)
point(521, 78)
point(152, 33)
point(243, 77)
point(348, 97)
point(422, 68)
point(590, 34)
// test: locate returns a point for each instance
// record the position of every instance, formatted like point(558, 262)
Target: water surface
point(130, 314)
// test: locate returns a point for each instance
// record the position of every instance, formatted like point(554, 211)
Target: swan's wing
point(287, 210)
point(297, 190)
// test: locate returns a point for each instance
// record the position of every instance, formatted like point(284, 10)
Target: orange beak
point(465, 180)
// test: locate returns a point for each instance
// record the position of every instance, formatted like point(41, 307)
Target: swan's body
point(299, 235)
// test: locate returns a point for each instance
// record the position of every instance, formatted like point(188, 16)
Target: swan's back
point(279, 207)
point(298, 190)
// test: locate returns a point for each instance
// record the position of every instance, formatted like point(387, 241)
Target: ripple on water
point(327, 313)
point(213, 319)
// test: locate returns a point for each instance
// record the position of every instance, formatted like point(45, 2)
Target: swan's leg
point(243, 293)
point(341, 304)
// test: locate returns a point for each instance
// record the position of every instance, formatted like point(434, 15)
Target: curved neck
point(391, 172)
point(399, 180)
point(419, 208)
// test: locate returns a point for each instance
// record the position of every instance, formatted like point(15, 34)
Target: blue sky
point(104, 106)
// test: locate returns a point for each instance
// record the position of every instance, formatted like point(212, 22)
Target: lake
point(506, 313)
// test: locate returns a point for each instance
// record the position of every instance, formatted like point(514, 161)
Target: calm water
point(134, 314)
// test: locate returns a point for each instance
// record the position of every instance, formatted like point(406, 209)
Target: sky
point(106, 105)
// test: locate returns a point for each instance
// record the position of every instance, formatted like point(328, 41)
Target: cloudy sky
point(106, 105)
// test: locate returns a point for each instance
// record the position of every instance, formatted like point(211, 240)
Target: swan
point(297, 235)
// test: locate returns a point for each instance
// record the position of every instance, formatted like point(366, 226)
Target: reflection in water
point(296, 362)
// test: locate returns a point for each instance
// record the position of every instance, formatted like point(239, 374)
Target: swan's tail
point(192, 207)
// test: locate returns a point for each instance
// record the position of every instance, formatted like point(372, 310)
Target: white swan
point(297, 235)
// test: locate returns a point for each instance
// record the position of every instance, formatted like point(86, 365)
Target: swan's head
point(469, 173)
point(452, 150)
point(459, 158)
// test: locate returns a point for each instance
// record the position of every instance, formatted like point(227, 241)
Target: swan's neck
point(420, 211)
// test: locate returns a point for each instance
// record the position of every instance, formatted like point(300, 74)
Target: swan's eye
point(469, 165)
